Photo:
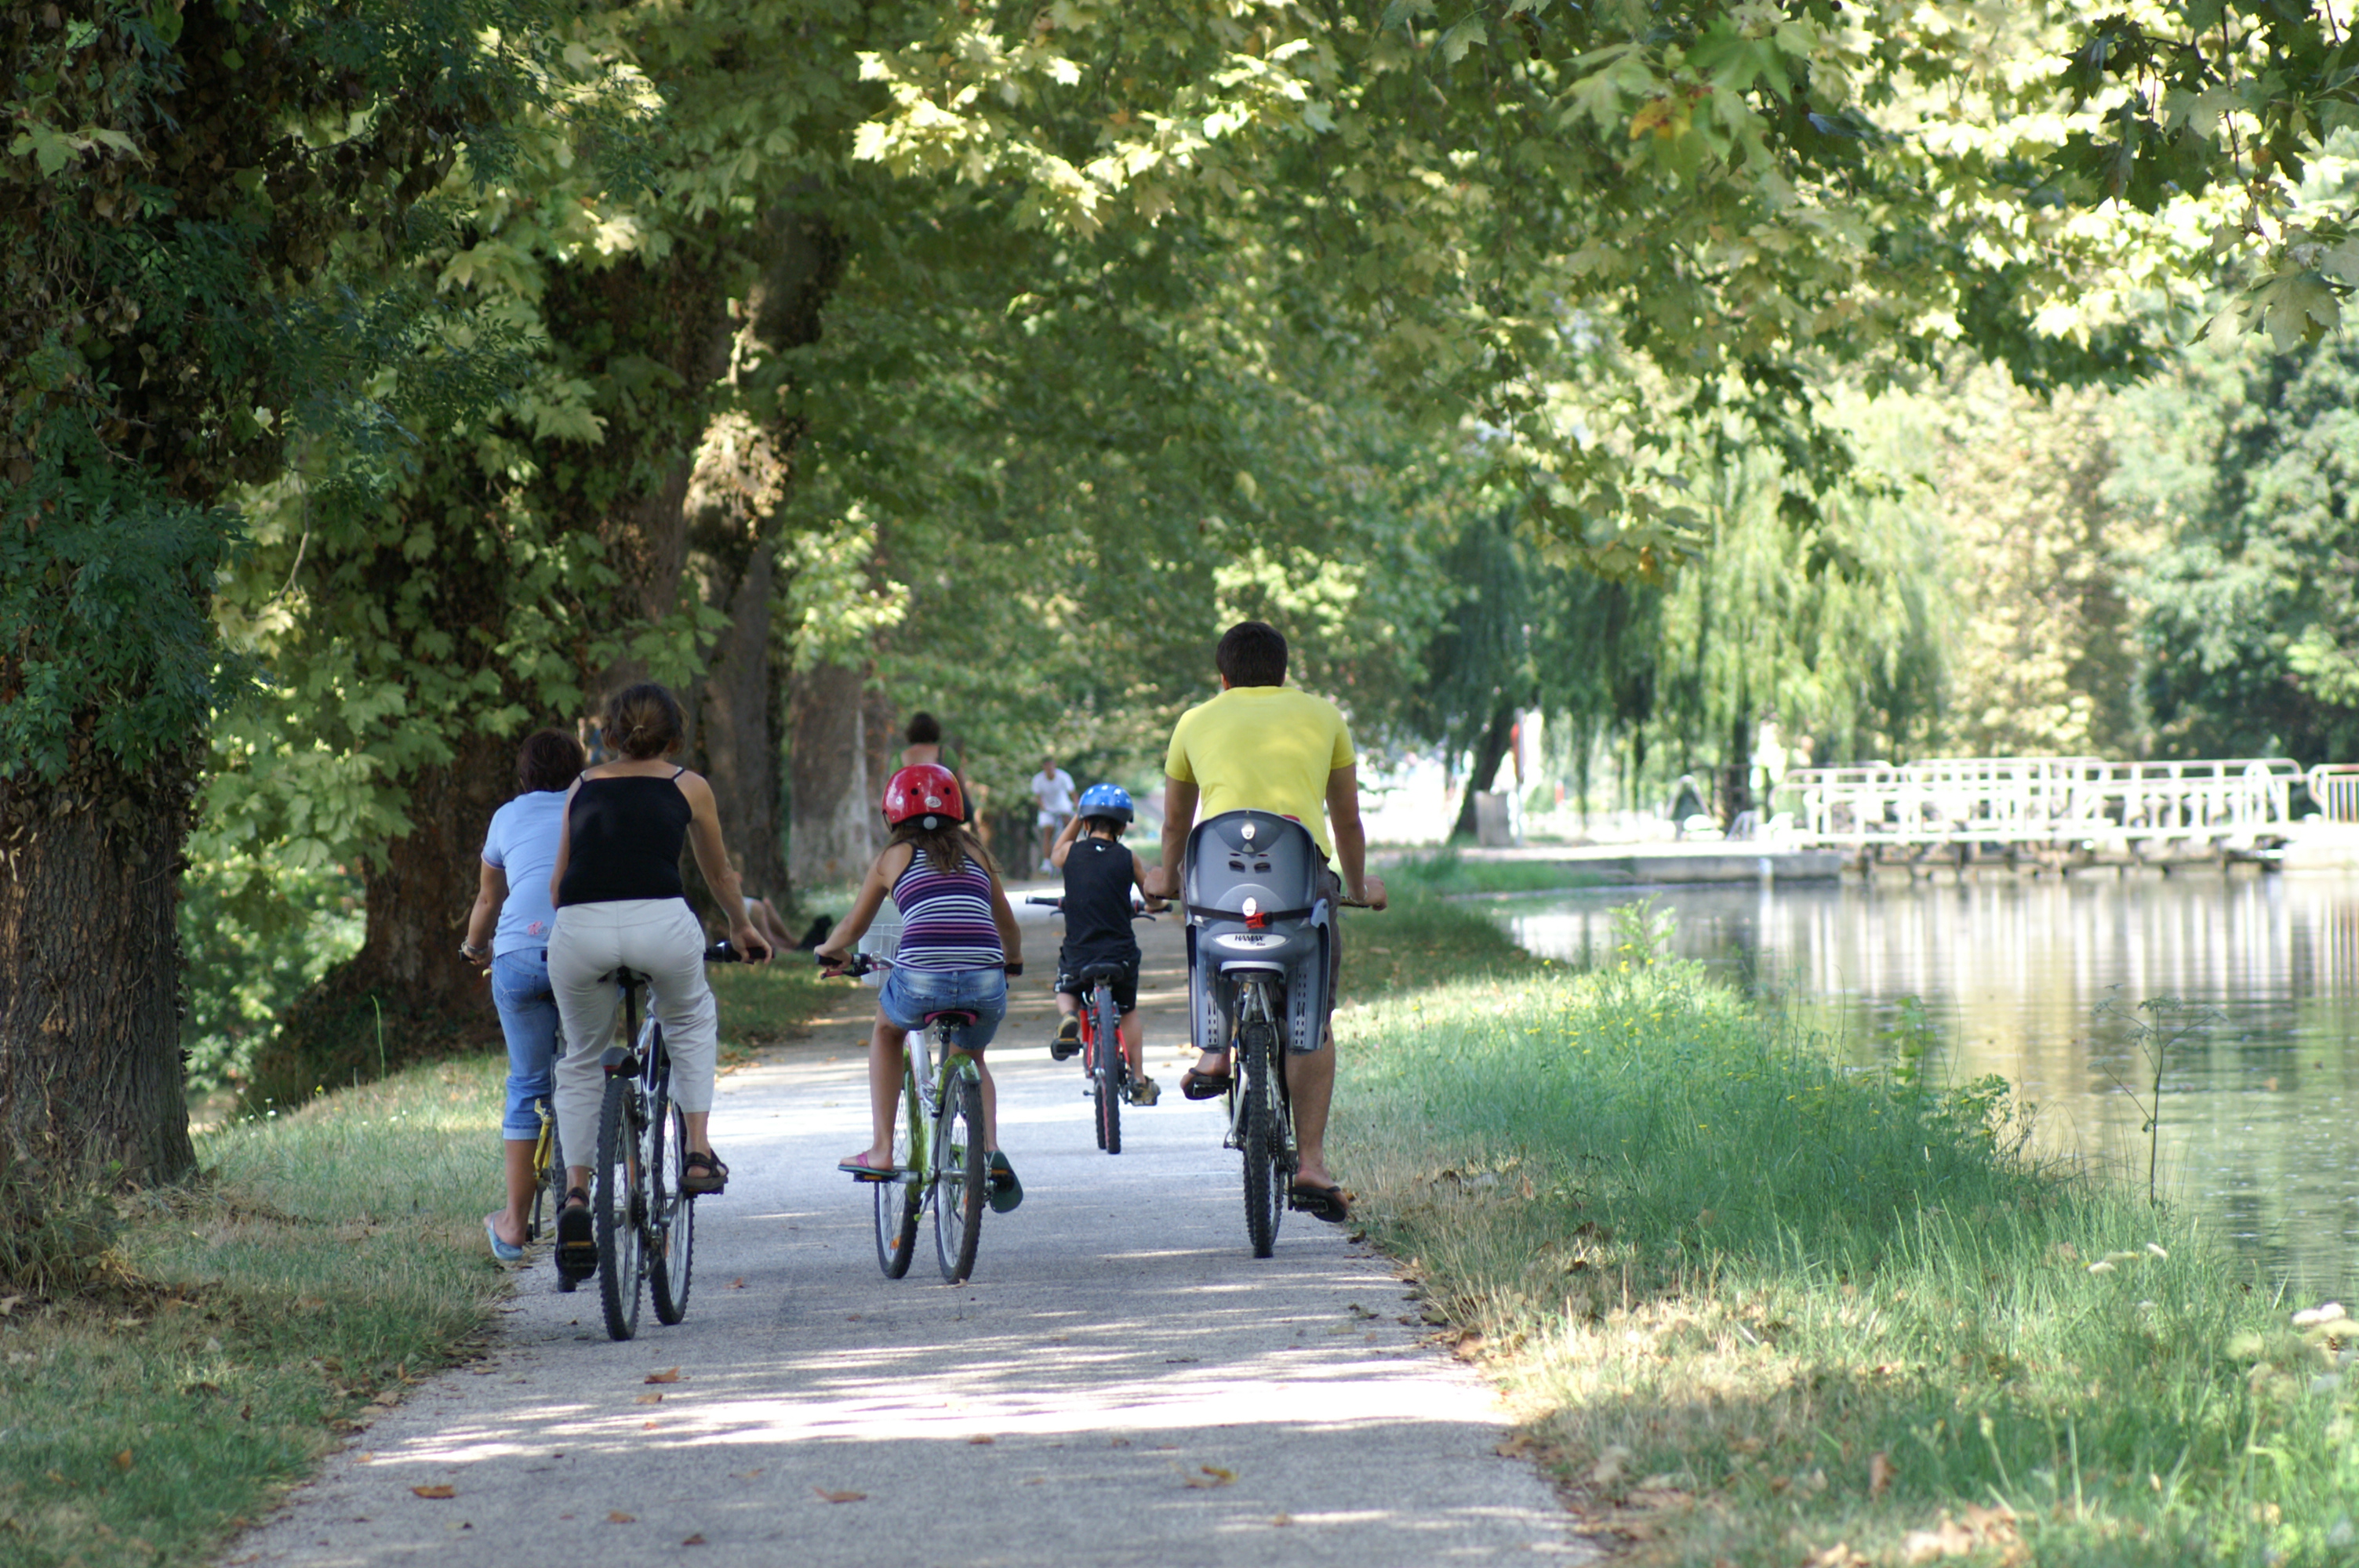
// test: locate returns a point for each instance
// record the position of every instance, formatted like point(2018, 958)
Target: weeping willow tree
point(1831, 628)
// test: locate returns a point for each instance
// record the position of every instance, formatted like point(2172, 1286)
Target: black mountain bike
point(645, 1225)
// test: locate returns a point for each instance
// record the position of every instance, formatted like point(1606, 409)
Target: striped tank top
point(946, 921)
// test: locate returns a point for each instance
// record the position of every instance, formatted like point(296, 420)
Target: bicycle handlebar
point(858, 964)
point(1138, 911)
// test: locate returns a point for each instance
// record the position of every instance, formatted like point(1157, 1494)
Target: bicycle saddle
point(956, 1017)
point(624, 977)
point(1102, 971)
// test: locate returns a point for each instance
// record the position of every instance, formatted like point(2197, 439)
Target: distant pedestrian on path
point(1052, 787)
point(926, 745)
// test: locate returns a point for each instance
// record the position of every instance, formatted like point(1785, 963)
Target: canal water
point(2038, 979)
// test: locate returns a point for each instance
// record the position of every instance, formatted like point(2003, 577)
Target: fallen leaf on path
point(981, 1441)
point(647, 1426)
point(840, 1497)
point(1212, 1475)
point(617, 1516)
point(1282, 1519)
point(738, 1284)
point(434, 1491)
point(670, 1377)
point(650, 1399)
point(1515, 1447)
point(1879, 1474)
point(693, 1541)
point(123, 1461)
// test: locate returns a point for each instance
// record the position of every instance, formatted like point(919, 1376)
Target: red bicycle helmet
point(928, 791)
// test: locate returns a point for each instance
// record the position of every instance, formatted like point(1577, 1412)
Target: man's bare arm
point(1179, 817)
point(1350, 838)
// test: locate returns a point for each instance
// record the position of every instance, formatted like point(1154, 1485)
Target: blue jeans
point(910, 994)
point(528, 1017)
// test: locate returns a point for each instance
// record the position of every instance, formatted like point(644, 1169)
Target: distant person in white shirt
point(1052, 787)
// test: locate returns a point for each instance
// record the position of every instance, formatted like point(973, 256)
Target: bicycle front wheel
point(1264, 1146)
point(958, 1176)
point(619, 1206)
point(1105, 1067)
point(898, 1201)
point(671, 1213)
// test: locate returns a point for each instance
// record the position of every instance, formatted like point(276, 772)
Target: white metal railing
point(2050, 801)
point(2334, 791)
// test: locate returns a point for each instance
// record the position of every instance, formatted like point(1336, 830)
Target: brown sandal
point(703, 1175)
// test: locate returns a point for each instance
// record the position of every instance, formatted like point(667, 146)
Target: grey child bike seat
point(1253, 902)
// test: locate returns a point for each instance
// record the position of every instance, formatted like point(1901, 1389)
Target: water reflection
point(2259, 1124)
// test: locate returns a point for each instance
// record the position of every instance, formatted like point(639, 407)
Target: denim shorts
point(910, 994)
point(528, 1017)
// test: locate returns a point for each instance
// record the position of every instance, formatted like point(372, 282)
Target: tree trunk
point(1489, 752)
point(90, 999)
point(407, 995)
point(834, 834)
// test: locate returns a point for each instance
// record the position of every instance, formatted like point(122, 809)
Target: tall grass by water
point(1761, 1308)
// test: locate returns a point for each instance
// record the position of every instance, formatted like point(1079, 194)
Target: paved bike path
point(1120, 1383)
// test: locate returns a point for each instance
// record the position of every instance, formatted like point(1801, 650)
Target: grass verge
point(327, 1258)
point(240, 1327)
point(1447, 872)
point(1762, 1310)
point(1419, 940)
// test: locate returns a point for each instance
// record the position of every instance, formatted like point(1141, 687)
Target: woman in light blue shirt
point(512, 910)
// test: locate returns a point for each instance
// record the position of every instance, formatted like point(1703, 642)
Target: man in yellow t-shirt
point(1262, 746)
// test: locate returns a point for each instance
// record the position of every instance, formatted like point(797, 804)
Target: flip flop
point(703, 1175)
point(860, 1170)
point(1005, 1191)
point(1198, 1084)
point(1332, 1204)
point(505, 1251)
point(577, 1238)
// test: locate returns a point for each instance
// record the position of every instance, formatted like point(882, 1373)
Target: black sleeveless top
point(1097, 903)
point(624, 838)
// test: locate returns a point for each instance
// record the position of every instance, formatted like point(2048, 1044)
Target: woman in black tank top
point(620, 904)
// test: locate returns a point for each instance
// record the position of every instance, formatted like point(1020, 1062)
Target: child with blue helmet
point(1100, 873)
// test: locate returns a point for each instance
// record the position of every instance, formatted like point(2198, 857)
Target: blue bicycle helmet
point(1106, 800)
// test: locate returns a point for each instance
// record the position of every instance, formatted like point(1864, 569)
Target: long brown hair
point(643, 722)
point(945, 846)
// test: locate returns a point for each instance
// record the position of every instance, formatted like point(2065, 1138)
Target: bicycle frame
point(924, 1095)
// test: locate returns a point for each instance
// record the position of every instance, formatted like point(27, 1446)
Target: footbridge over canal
point(2060, 810)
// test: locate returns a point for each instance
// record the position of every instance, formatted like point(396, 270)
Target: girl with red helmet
point(959, 945)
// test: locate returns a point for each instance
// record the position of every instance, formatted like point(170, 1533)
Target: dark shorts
point(1126, 985)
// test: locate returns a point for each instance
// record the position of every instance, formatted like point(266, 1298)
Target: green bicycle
point(939, 1162)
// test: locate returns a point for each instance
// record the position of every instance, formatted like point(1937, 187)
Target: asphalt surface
point(1120, 1382)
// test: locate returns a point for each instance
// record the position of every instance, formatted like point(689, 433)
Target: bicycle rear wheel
point(958, 1176)
point(671, 1213)
point(898, 1201)
point(1264, 1146)
point(617, 1204)
point(1106, 1076)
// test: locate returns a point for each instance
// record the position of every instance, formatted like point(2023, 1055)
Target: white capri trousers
point(662, 939)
